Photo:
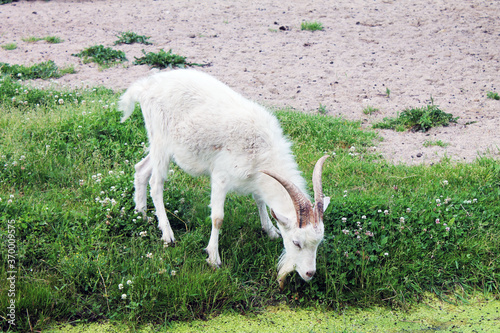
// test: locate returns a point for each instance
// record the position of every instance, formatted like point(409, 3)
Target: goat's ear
point(326, 202)
point(281, 218)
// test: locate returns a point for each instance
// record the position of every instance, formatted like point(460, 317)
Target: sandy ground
point(446, 49)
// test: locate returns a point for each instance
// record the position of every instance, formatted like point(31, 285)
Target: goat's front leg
point(217, 198)
point(143, 171)
point(156, 182)
point(267, 225)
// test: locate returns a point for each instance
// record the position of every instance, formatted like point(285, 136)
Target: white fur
point(207, 128)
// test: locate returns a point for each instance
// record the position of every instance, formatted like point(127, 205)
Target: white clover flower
point(173, 273)
point(344, 219)
point(124, 296)
point(120, 286)
point(444, 182)
point(143, 233)
point(402, 219)
point(386, 212)
point(363, 217)
point(129, 282)
point(408, 210)
point(60, 101)
point(386, 254)
point(149, 255)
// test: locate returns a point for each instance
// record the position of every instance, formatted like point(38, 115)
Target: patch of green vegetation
point(370, 110)
point(43, 70)
point(311, 26)
point(493, 95)
point(32, 39)
point(418, 119)
point(48, 39)
point(129, 37)
point(392, 233)
point(322, 109)
point(104, 56)
point(438, 143)
point(3, 2)
point(9, 46)
point(53, 39)
point(164, 59)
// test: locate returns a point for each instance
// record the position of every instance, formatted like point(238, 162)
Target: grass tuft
point(311, 26)
point(104, 56)
point(493, 95)
point(129, 37)
point(418, 119)
point(163, 59)
point(43, 70)
point(48, 39)
point(438, 143)
point(9, 46)
point(370, 110)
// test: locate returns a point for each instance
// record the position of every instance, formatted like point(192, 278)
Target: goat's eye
point(297, 244)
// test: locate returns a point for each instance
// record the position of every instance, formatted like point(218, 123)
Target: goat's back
point(203, 124)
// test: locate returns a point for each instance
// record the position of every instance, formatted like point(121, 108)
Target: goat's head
point(303, 232)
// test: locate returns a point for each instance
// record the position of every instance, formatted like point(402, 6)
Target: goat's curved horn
point(303, 207)
point(318, 187)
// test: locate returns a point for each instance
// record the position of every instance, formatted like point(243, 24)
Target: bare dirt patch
point(441, 48)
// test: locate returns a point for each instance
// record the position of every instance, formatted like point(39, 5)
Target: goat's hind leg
point(156, 182)
point(143, 171)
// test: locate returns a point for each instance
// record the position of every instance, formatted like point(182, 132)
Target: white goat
point(208, 128)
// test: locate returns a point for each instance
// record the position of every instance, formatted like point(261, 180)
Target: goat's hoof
point(168, 241)
point(168, 244)
point(215, 264)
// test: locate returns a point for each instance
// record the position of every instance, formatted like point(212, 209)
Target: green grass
point(48, 39)
point(163, 59)
point(311, 26)
point(103, 56)
point(43, 70)
point(9, 46)
point(493, 95)
point(370, 110)
point(129, 37)
point(438, 143)
point(392, 233)
point(418, 119)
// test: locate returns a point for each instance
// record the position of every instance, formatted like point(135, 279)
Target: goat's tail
point(126, 104)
